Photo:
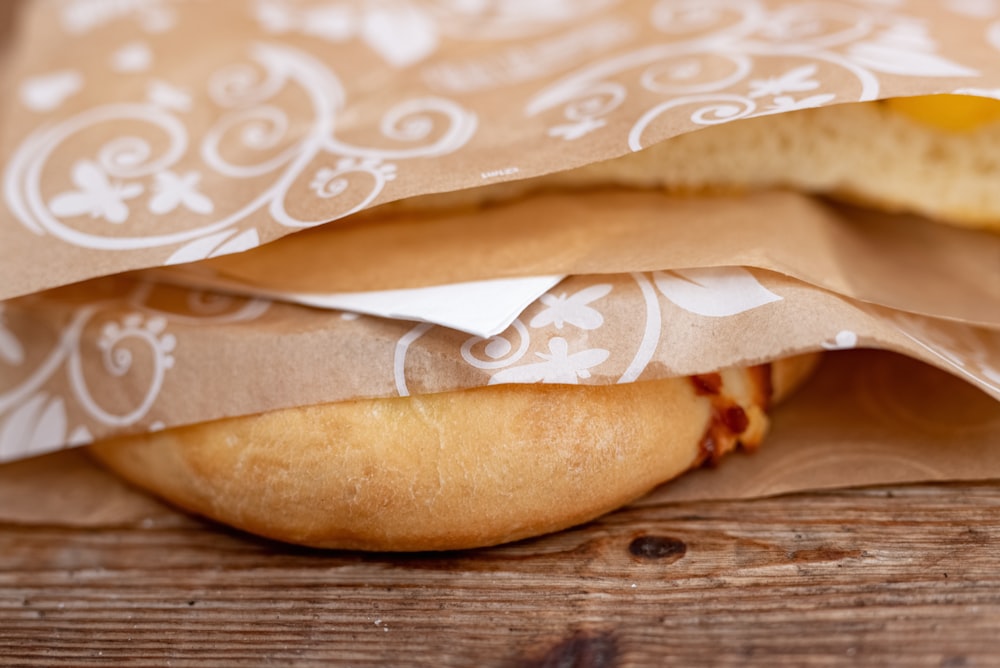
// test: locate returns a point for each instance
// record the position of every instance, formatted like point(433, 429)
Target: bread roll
point(452, 470)
point(935, 155)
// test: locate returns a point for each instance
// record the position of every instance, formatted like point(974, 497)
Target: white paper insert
point(483, 308)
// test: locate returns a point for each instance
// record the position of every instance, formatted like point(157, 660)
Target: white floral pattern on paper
point(135, 343)
point(330, 181)
point(135, 324)
point(714, 291)
point(249, 126)
point(798, 80)
point(582, 128)
point(80, 436)
point(400, 31)
point(560, 366)
point(978, 92)
point(46, 92)
point(11, 350)
point(132, 57)
point(976, 8)
point(168, 96)
point(274, 111)
point(499, 350)
point(127, 341)
point(34, 420)
point(784, 103)
point(845, 339)
point(173, 190)
point(81, 16)
point(98, 196)
point(906, 48)
point(575, 309)
point(406, 32)
point(702, 81)
point(37, 425)
point(214, 245)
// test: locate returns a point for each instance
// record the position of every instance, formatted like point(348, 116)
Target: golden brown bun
point(452, 470)
point(866, 153)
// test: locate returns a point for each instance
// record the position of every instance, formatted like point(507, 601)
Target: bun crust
point(453, 470)
point(865, 153)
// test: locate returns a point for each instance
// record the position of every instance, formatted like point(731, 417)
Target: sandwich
point(494, 464)
point(480, 465)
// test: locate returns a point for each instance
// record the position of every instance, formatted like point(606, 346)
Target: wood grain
point(884, 576)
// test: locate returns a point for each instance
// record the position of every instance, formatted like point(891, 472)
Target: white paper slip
point(483, 308)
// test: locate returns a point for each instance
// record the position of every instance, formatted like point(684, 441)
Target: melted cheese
point(955, 113)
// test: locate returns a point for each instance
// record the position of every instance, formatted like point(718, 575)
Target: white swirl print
point(707, 77)
point(11, 348)
point(732, 18)
point(399, 356)
point(719, 109)
point(499, 351)
point(33, 420)
point(651, 332)
point(82, 16)
point(118, 361)
point(133, 333)
point(201, 307)
point(133, 181)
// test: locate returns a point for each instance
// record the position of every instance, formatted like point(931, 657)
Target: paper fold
point(902, 262)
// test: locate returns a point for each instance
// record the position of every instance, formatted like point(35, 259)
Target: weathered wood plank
point(907, 575)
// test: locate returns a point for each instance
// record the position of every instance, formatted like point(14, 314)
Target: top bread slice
point(888, 155)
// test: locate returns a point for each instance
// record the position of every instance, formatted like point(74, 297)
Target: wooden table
point(903, 575)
